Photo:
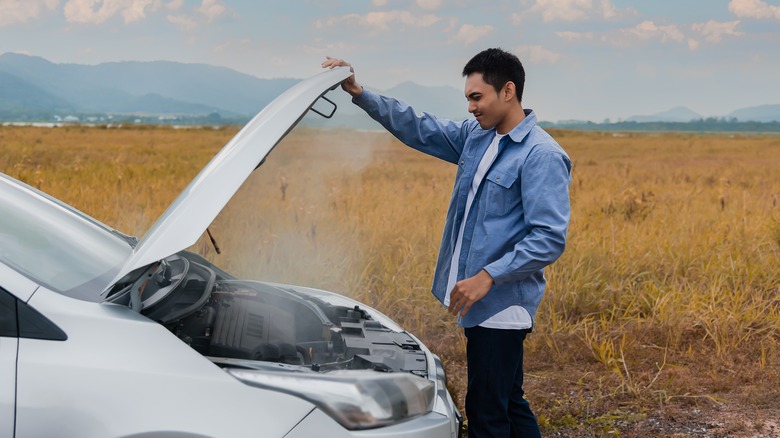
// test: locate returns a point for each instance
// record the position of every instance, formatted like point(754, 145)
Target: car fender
point(101, 381)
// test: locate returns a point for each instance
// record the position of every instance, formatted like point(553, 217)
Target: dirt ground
point(750, 410)
point(577, 408)
point(719, 421)
point(724, 418)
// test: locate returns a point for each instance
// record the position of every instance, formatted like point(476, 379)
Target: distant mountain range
point(677, 114)
point(31, 85)
point(762, 113)
point(158, 87)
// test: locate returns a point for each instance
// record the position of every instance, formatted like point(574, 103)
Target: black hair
point(498, 67)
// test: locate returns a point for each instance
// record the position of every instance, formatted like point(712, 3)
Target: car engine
point(224, 318)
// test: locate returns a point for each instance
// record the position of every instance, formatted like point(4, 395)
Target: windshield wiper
point(213, 241)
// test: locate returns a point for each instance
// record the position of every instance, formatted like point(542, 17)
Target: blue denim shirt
point(520, 214)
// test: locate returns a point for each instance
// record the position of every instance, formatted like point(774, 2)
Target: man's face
point(484, 102)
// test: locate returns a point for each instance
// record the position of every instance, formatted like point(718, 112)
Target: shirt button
point(498, 179)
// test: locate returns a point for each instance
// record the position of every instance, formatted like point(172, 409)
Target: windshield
point(56, 246)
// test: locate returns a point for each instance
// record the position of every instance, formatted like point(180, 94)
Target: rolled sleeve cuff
point(496, 272)
point(363, 99)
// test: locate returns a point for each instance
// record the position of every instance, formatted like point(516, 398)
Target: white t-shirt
point(513, 317)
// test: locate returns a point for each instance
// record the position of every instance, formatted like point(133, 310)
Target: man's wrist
point(487, 277)
point(355, 92)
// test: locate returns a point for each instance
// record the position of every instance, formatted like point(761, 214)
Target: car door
point(9, 345)
point(15, 290)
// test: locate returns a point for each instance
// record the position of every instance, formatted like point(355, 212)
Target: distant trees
point(713, 124)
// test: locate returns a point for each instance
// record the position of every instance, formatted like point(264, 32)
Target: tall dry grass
point(668, 293)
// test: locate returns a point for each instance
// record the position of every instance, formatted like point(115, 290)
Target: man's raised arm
point(349, 85)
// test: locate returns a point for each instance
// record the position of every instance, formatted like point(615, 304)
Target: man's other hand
point(468, 291)
point(349, 84)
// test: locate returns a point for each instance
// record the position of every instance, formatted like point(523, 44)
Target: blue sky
point(585, 59)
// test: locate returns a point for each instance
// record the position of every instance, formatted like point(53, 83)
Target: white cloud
point(452, 23)
point(713, 31)
point(174, 5)
point(333, 21)
point(384, 19)
point(576, 10)
point(183, 22)
point(575, 36)
point(208, 9)
point(18, 11)
point(535, 54)
point(97, 11)
point(648, 30)
point(136, 10)
point(754, 9)
point(381, 21)
point(429, 4)
point(83, 11)
point(211, 9)
point(469, 34)
point(379, 3)
point(563, 10)
point(22, 11)
point(608, 10)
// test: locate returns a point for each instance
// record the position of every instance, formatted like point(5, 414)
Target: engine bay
point(227, 319)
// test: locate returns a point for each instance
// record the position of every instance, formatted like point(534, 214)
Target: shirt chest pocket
point(502, 192)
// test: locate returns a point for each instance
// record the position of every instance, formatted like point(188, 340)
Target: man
point(507, 220)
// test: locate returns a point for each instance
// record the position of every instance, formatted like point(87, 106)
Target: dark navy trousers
point(495, 406)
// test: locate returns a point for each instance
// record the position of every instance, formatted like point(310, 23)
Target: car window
point(55, 246)
point(8, 327)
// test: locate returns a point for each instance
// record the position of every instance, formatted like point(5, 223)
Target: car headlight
point(356, 399)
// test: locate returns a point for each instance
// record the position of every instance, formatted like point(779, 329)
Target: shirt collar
point(519, 132)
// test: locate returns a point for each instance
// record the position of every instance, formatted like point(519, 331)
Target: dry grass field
point(662, 318)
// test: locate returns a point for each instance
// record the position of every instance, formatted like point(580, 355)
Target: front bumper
point(444, 421)
point(431, 425)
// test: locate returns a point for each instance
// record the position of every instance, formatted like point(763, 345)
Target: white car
point(102, 335)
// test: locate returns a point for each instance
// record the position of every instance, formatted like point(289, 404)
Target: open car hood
point(201, 201)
